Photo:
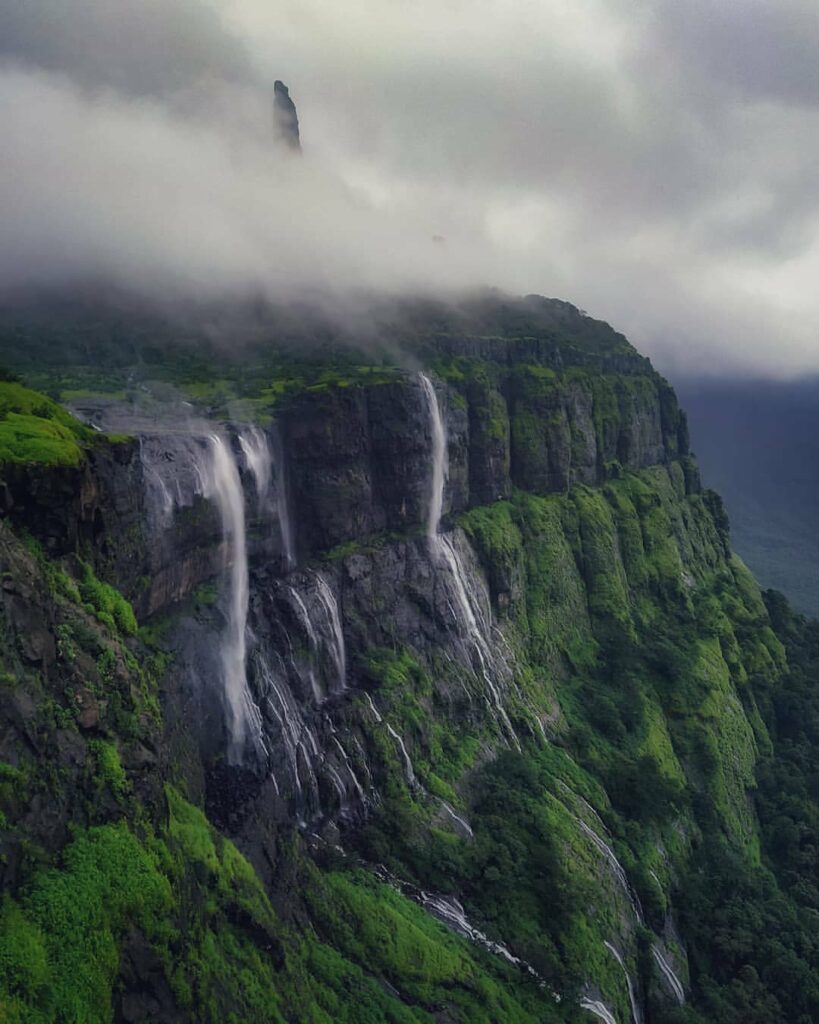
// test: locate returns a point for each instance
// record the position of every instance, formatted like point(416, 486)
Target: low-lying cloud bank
point(657, 167)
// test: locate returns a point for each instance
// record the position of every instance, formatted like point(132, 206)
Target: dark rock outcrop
point(285, 117)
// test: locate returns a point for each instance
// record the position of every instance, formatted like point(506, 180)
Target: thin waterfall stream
point(257, 455)
point(669, 974)
point(636, 1015)
point(599, 1009)
point(469, 612)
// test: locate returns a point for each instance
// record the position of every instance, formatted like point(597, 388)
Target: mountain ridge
point(542, 708)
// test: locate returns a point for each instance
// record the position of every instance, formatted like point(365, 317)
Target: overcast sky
point(654, 161)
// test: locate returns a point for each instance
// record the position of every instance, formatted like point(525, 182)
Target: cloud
point(654, 164)
point(140, 47)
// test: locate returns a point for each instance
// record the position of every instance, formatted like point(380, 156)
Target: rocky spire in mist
point(285, 116)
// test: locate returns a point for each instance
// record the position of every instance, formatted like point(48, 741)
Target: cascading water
point(469, 611)
point(312, 639)
point(462, 822)
point(616, 867)
point(282, 503)
point(439, 459)
point(159, 499)
point(621, 878)
point(600, 1010)
point(669, 974)
point(222, 483)
point(263, 461)
point(253, 443)
point(337, 647)
point(636, 1015)
point(408, 769)
point(172, 462)
point(450, 912)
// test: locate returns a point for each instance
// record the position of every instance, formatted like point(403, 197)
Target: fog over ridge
point(654, 166)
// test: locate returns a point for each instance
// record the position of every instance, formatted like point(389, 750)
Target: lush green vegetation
point(34, 429)
point(682, 712)
point(59, 946)
point(107, 603)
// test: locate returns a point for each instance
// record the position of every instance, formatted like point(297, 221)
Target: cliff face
point(476, 653)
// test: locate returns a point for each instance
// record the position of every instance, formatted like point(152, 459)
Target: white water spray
point(257, 455)
point(469, 611)
point(600, 1010)
point(222, 484)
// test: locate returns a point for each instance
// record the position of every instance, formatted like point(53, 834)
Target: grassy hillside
point(35, 429)
point(659, 700)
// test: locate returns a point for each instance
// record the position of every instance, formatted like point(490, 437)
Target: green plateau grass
point(34, 429)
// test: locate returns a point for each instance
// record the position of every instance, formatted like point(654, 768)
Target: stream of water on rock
point(223, 485)
point(469, 611)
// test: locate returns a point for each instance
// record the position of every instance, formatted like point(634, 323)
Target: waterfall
point(299, 742)
point(254, 444)
point(312, 639)
point(670, 976)
point(617, 868)
point(632, 997)
point(439, 458)
point(261, 461)
point(408, 769)
point(173, 472)
point(160, 501)
point(282, 503)
point(469, 612)
point(337, 647)
point(222, 484)
point(353, 777)
point(449, 911)
point(409, 772)
point(450, 810)
point(600, 1010)
point(376, 713)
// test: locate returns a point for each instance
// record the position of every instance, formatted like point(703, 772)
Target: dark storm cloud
point(653, 162)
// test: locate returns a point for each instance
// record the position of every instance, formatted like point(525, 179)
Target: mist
point(654, 166)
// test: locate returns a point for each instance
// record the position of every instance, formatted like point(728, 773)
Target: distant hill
point(757, 443)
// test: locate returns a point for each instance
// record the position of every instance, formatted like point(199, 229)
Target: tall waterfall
point(439, 459)
point(470, 612)
point(222, 484)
